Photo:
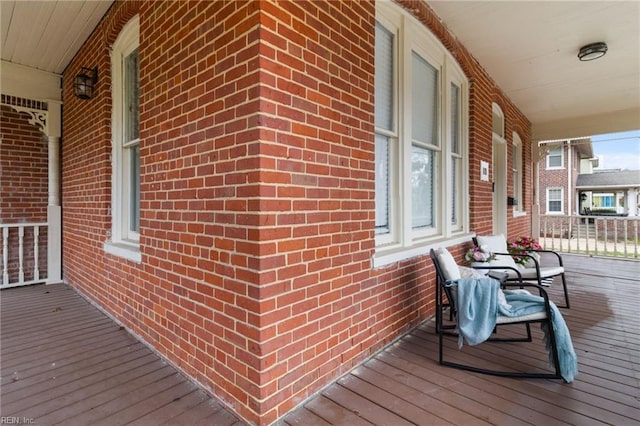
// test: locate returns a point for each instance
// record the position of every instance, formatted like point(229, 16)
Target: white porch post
point(54, 210)
point(40, 86)
point(632, 201)
point(535, 207)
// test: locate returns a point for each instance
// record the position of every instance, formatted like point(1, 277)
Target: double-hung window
point(421, 127)
point(555, 158)
point(125, 201)
point(554, 200)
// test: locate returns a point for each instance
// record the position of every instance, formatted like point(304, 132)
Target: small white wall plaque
point(484, 171)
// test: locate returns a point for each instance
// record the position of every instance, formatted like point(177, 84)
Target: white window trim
point(518, 210)
point(403, 242)
point(123, 242)
point(561, 158)
point(561, 212)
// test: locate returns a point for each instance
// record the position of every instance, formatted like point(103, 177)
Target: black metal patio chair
point(539, 274)
point(446, 281)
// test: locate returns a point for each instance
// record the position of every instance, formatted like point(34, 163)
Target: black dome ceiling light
point(592, 51)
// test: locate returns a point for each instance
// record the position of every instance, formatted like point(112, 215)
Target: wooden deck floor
point(62, 361)
point(404, 384)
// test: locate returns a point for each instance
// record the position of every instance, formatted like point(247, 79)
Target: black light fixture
point(85, 82)
point(592, 51)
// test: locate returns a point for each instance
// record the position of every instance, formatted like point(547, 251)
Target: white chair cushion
point(448, 264)
point(531, 317)
point(497, 244)
point(530, 273)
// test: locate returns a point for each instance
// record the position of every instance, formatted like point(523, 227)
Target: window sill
point(392, 255)
point(125, 250)
point(519, 214)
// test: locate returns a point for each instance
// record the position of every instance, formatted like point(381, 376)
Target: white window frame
point(517, 171)
point(561, 148)
point(558, 188)
point(402, 242)
point(124, 242)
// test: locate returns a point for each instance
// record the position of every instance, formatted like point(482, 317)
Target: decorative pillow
point(497, 244)
point(472, 273)
point(448, 264)
point(478, 273)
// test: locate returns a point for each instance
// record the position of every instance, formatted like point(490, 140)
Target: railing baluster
point(615, 239)
point(635, 239)
point(5, 256)
point(36, 241)
point(12, 274)
point(605, 228)
point(21, 254)
point(578, 238)
point(626, 241)
point(594, 235)
point(586, 240)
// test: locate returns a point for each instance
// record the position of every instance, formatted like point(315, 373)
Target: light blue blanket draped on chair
point(478, 310)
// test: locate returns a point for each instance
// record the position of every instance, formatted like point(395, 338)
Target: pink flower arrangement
point(522, 245)
point(479, 254)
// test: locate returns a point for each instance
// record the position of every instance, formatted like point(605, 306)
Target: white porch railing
point(597, 235)
point(22, 247)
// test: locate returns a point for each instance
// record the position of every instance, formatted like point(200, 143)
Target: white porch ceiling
point(46, 35)
point(529, 49)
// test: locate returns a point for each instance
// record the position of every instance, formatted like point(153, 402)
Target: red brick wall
point(23, 188)
point(257, 204)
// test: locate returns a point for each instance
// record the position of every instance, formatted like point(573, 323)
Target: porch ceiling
point(46, 35)
point(529, 48)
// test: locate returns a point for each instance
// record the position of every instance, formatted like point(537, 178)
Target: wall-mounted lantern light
point(85, 82)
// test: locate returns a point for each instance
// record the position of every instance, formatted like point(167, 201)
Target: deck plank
point(605, 295)
point(64, 362)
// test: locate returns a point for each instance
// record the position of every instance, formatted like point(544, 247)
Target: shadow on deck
point(65, 362)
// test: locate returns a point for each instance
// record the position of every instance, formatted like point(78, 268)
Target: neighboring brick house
point(247, 213)
point(558, 173)
point(571, 184)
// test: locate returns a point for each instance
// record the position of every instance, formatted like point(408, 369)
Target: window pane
point(422, 187)
point(454, 190)
point(554, 200)
point(382, 185)
point(425, 100)
point(497, 125)
point(455, 119)
point(384, 78)
point(134, 222)
point(555, 157)
point(131, 97)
